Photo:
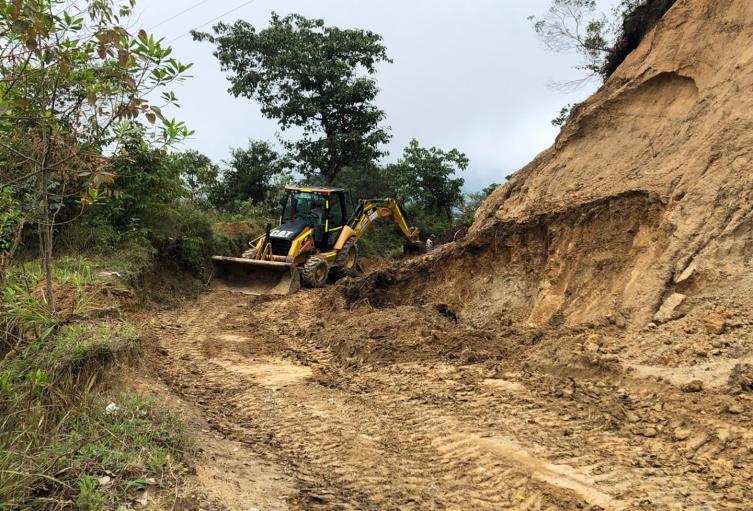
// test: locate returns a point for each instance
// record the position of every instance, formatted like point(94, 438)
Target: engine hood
point(290, 229)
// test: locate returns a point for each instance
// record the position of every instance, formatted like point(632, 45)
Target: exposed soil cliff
point(648, 188)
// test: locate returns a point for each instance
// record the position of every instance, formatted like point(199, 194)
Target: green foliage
point(56, 460)
point(564, 115)
point(308, 75)
point(255, 175)
point(146, 209)
point(182, 237)
point(89, 497)
point(424, 177)
point(76, 345)
point(56, 437)
point(74, 81)
point(198, 173)
point(602, 41)
point(382, 240)
point(472, 202)
point(144, 182)
point(10, 216)
point(366, 181)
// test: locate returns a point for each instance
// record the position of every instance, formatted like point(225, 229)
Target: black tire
point(249, 254)
point(346, 262)
point(315, 272)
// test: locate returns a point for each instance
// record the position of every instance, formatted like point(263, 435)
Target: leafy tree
point(425, 176)
point(198, 172)
point(73, 79)
point(311, 77)
point(365, 181)
point(473, 201)
point(601, 40)
point(576, 26)
point(144, 180)
point(252, 174)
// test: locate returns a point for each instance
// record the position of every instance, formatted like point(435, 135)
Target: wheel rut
point(421, 434)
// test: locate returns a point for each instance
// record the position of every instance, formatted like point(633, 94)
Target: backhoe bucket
point(254, 276)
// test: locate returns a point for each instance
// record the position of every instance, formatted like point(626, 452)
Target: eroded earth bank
point(589, 345)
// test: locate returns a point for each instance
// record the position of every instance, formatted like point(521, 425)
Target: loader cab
point(326, 210)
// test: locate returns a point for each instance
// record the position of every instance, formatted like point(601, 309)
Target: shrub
point(56, 437)
point(638, 20)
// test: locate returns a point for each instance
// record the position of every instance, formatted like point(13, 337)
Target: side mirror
point(283, 200)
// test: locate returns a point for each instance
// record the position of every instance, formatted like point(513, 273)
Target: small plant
point(158, 461)
point(564, 115)
point(89, 497)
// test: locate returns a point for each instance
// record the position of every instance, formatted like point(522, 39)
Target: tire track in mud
point(416, 436)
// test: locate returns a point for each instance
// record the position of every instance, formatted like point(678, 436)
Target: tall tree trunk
point(45, 238)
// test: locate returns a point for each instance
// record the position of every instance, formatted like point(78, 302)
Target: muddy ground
point(305, 403)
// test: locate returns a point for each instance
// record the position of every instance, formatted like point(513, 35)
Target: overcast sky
point(467, 74)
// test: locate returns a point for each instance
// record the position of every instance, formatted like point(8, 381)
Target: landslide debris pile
point(645, 197)
point(586, 346)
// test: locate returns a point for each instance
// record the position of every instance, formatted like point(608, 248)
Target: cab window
point(303, 204)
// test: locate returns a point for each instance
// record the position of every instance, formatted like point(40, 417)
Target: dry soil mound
point(646, 194)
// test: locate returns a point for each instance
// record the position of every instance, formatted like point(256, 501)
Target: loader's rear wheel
point(315, 272)
point(346, 262)
point(249, 254)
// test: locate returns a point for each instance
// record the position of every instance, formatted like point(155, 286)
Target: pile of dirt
point(240, 231)
point(586, 346)
point(647, 192)
point(566, 266)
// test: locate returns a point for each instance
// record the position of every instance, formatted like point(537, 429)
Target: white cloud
point(466, 74)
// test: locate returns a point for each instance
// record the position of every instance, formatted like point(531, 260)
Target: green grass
point(75, 346)
point(92, 457)
point(59, 447)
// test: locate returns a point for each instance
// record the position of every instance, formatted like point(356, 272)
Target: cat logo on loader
point(317, 238)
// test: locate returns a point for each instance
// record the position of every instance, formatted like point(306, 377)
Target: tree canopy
point(312, 77)
point(601, 40)
point(74, 80)
point(426, 176)
point(252, 174)
point(198, 172)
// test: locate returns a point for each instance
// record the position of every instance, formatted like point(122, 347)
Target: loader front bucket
point(254, 277)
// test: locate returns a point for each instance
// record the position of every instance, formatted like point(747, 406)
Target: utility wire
point(179, 14)
point(244, 4)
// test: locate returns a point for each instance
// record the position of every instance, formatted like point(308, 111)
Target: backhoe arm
point(370, 210)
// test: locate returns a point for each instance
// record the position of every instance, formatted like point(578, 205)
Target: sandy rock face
point(674, 121)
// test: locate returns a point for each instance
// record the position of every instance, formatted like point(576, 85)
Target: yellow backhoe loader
point(317, 238)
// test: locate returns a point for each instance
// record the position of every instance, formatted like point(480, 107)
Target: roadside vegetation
point(70, 436)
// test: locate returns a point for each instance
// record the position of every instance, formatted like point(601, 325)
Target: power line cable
point(244, 4)
point(181, 13)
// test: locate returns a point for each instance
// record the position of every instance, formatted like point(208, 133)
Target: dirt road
point(410, 408)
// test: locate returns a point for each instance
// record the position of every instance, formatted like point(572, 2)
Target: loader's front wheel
point(346, 262)
point(315, 272)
